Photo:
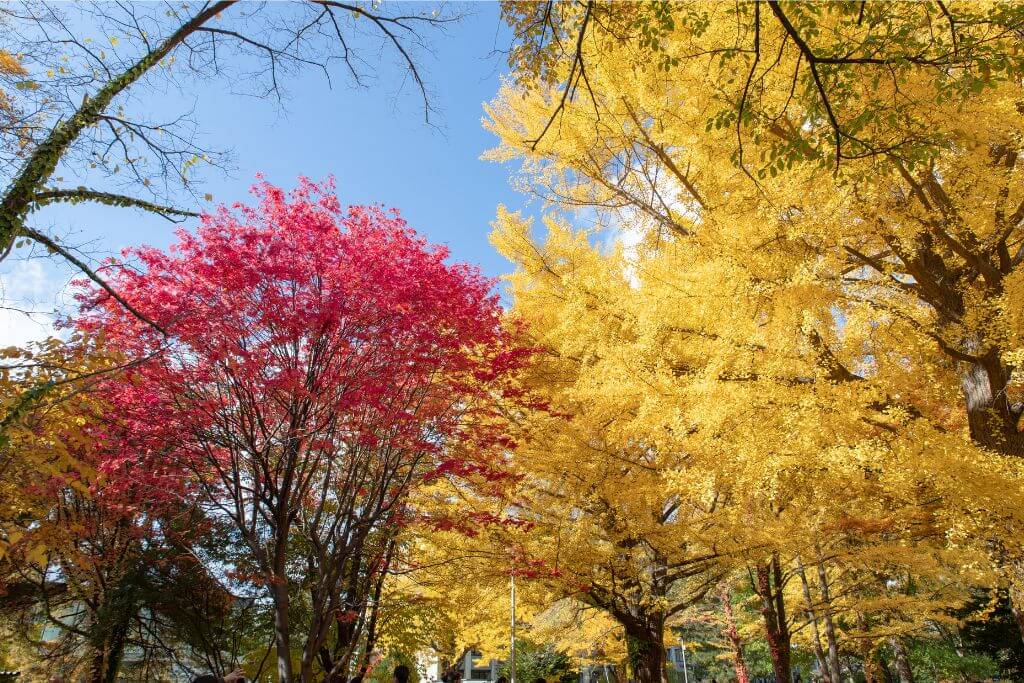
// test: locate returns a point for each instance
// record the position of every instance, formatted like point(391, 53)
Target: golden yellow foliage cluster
point(779, 295)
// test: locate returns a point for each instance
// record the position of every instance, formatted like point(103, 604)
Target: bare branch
point(574, 75)
point(89, 272)
point(110, 199)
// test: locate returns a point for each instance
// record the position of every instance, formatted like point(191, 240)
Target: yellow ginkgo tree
point(813, 346)
point(684, 433)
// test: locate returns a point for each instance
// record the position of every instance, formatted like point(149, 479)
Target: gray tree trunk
point(812, 618)
point(903, 670)
point(834, 672)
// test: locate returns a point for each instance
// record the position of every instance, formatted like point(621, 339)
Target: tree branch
point(82, 194)
point(16, 202)
point(574, 71)
point(90, 273)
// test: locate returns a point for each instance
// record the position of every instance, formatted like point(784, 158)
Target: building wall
point(488, 672)
point(473, 668)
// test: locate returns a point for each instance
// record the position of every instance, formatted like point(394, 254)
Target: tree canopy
point(753, 386)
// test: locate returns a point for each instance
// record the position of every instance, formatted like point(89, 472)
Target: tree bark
point(994, 421)
point(867, 655)
point(646, 650)
point(282, 630)
point(773, 612)
point(834, 670)
point(306, 670)
point(731, 632)
point(883, 666)
point(98, 665)
point(1018, 616)
point(899, 651)
point(110, 633)
point(115, 650)
point(812, 618)
point(107, 656)
point(1016, 597)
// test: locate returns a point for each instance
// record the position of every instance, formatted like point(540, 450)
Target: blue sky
point(374, 142)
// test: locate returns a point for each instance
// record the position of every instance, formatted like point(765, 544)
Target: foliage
point(47, 397)
point(670, 472)
point(757, 385)
point(309, 367)
point(940, 661)
point(68, 73)
point(917, 274)
point(88, 578)
point(782, 365)
point(993, 631)
point(535, 661)
point(854, 71)
point(384, 670)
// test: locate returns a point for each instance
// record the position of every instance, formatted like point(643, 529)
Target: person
point(401, 674)
point(236, 676)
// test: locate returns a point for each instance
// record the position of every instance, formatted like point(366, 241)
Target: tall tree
point(705, 128)
point(91, 565)
point(48, 394)
point(690, 419)
point(776, 89)
point(309, 367)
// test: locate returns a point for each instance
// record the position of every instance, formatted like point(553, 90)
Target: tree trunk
point(773, 611)
point(739, 663)
point(98, 665)
point(899, 651)
point(992, 419)
point(110, 632)
point(1018, 616)
point(115, 650)
point(106, 659)
point(374, 609)
point(866, 651)
point(834, 671)
point(1016, 597)
point(883, 666)
point(646, 650)
point(282, 632)
point(306, 671)
point(812, 618)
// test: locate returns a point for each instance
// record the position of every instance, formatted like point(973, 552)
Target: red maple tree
point(303, 367)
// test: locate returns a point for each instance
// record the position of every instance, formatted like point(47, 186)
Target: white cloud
point(17, 328)
point(29, 293)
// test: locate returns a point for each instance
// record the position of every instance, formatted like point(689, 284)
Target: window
point(479, 670)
